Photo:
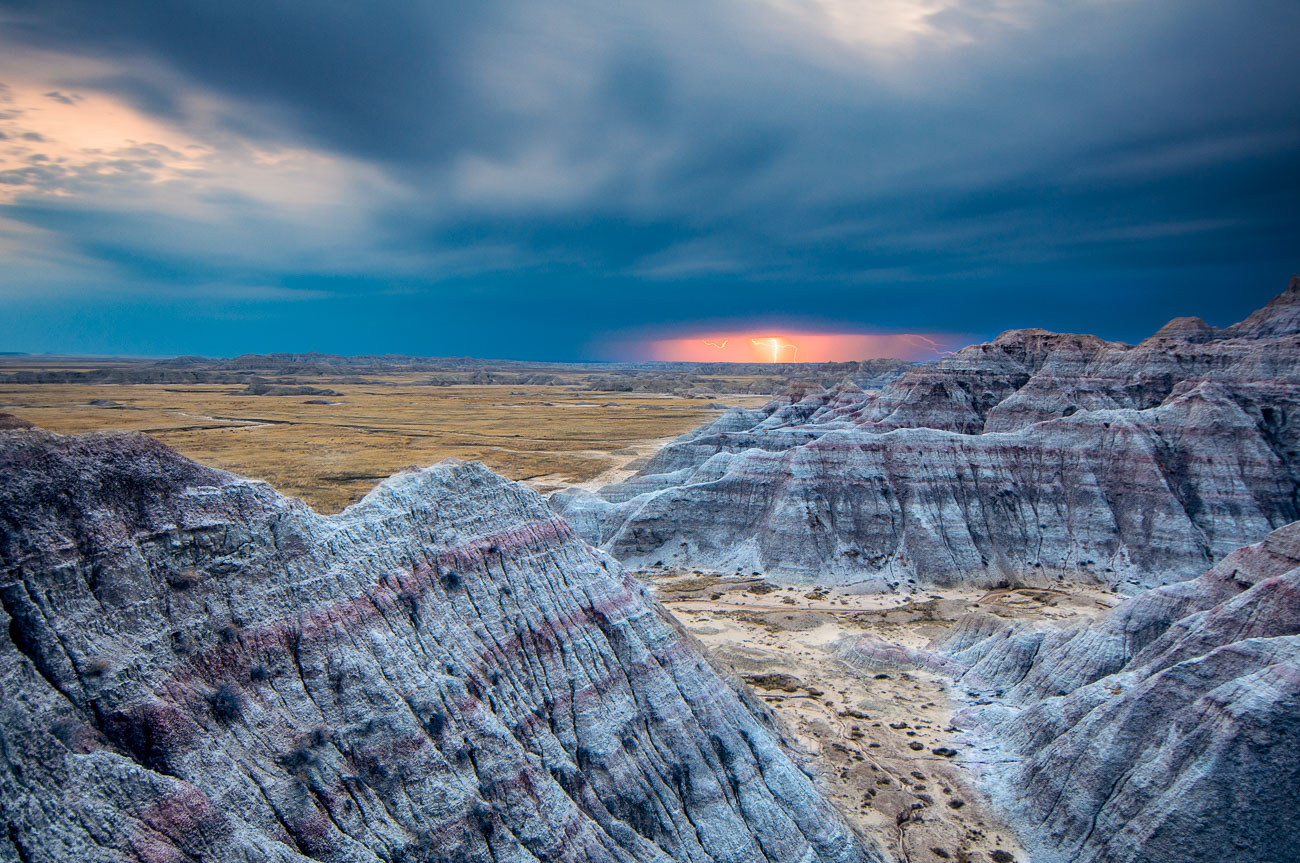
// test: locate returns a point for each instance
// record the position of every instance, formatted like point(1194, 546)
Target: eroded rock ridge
point(1165, 730)
point(1031, 457)
point(193, 667)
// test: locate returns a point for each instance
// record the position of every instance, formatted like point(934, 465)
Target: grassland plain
point(331, 450)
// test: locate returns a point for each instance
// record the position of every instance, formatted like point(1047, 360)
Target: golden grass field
point(331, 455)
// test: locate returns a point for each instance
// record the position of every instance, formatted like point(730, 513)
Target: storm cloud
point(520, 179)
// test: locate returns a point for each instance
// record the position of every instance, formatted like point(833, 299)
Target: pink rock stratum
point(193, 667)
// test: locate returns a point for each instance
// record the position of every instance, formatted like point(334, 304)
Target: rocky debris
point(195, 667)
point(1034, 457)
point(1165, 730)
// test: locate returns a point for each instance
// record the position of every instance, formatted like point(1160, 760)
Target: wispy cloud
point(63, 98)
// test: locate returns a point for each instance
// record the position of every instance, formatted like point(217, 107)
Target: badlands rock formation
point(193, 667)
point(1165, 731)
point(1032, 457)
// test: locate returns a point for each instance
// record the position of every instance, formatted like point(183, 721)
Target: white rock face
point(1031, 457)
point(193, 667)
point(1164, 731)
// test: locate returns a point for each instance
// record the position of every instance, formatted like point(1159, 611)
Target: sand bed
point(879, 736)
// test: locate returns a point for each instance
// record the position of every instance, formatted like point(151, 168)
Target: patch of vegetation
point(226, 703)
point(775, 681)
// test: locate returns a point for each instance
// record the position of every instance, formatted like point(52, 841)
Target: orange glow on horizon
point(777, 345)
point(789, 347)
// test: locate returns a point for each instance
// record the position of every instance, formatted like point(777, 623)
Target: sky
point(593, 180)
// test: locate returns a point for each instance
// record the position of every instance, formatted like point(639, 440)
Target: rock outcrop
point(1032, 457)
point(1165, 730)
point(193, 667)
point(262, 388)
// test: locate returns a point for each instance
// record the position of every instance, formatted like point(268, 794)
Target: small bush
point(258, 673)
point(182, 643)
point(298, 758)
point(226, 703)
point(98, 668)
point(303, 757)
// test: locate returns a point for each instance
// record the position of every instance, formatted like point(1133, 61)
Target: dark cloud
point(379, 81)
point(586, 167)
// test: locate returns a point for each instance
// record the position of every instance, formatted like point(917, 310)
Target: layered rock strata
point(1032, 457)
point(193, 667)
point(1165, 730)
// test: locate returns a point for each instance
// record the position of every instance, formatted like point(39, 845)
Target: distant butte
point(1034, 457)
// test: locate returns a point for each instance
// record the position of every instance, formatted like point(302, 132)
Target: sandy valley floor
point(880, 736)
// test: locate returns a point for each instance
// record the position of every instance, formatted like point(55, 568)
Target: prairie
point(331, 450)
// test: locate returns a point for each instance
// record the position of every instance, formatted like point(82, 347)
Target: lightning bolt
point(923, 342)
point(716, 345)
point(776, 349)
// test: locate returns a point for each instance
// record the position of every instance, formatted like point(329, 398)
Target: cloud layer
point(516, 179)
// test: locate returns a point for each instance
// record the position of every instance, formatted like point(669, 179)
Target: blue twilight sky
point(552, 180)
